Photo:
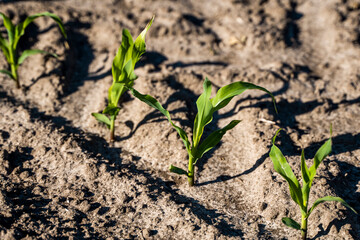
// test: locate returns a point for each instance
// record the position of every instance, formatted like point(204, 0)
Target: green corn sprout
point(298, 194)
point(15, 32)
point(123, 75)
point(206, 108)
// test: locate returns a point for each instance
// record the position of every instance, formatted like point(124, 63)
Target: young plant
point(15, 32)
point(206, 108)
point(123, 75)
point(298, 194)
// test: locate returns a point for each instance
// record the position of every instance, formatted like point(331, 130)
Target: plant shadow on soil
point(78, 57)
point(345, 186)
point(24, 197)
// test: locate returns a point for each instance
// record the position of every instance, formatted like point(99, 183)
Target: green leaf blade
point(283, 168)
point(7, 73)
point(291, 223)
point(204, 114)
point(177, 170)
point(20, 28)
point(9, 28)
point(306, 179)
point(119, 60)
point(226, 93)
point(116, 90)
point(111, 110)
point(152, 102)
point(102, 118)
point(4, 45)
point(213, 139)
point(322, 153)
point(328, 199)
point(28, 53)
point(139, 45)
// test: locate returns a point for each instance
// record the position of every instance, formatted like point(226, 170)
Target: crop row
point(123, 65)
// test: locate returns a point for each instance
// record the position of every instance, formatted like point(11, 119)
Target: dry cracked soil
point(60, 179)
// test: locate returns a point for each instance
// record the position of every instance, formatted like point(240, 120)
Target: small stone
point(263, 206)
point(146, 233)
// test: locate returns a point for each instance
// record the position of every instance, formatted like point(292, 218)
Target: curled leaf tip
point(274, 138)
point(331, 130)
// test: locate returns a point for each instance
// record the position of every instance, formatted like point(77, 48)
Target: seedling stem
point(191, 172)
point(112, 129)
point(303, 227)
point(15, 75)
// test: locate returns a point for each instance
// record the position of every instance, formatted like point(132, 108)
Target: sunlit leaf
point(283, 168)
point(306, 179)
point(213, 139)
point(226, 93)
point(152, 102)
point(123, 69)
point(323, 151)
point(329, 198)
point(139, 45)
point(204, 114)
point(20, 28)
point(4, 45)
point(102, 118)
point(9, 28)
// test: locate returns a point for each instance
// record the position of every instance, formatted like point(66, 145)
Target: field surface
point(60, 179)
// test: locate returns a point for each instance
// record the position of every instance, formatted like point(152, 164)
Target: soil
point(60, 179)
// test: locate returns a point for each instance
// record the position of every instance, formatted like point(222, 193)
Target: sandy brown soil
point(59, 178)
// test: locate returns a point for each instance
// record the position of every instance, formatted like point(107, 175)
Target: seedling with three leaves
point(298, 194)
point(206, 108)
point(9, 47)
point(123, 74)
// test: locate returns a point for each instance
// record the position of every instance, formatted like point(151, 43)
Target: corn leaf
point(226, 93)
point(20, 28)
point(323, 151)
point(177, 170)
point(102, 118)
point(291, 223)
point(4, 45)
point(213, 139)
point(118, 62)
point(329, 198)
point(9, 27)
point(283, 168)
point(306, 179)
point(206, 106)
point(111, 110)
point(115, 92)
point(7, 73)
point(204, 115)
point(30, 52)
point(152, 102)
point(139, 45)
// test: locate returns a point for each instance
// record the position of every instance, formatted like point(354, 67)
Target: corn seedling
point(206, 108)
point(123, 75)
point(298, 194)
point(15, 32)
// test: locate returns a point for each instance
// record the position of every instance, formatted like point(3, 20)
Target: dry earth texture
point(59, 178)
